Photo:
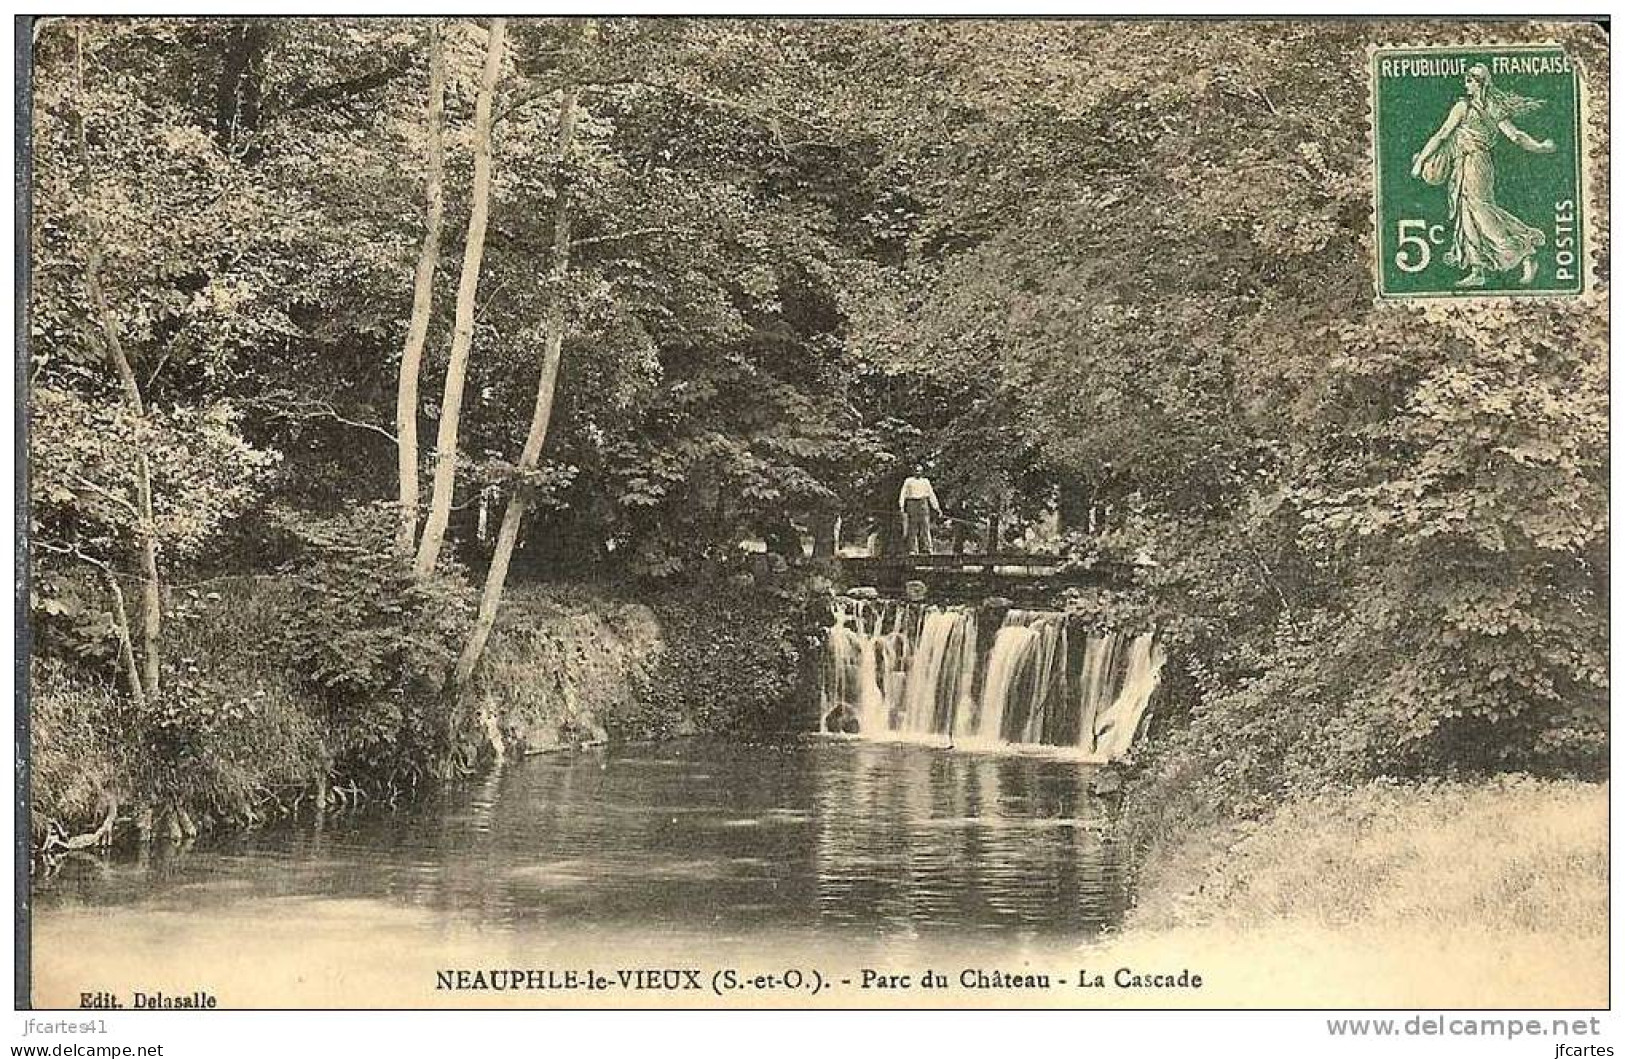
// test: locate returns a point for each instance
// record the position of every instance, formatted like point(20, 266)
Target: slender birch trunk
point(406, 392)
point(126, 647)
point(146, 532)
point(513, 515)
point(113, 344)
point(451, 402)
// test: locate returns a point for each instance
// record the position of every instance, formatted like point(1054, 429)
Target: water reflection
point(689, 839)
point(912, 840)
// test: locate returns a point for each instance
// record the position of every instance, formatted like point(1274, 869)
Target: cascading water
point(910, 671)
point(899, 668)
point(1114, 729)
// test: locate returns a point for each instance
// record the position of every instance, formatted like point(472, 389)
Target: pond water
point(820, 854)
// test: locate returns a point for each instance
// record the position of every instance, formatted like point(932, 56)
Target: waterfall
point(1025, 664)
point(917, 672)
point(1095, 685)
point(940, 672)
point(1115, 729)
point(897, 668)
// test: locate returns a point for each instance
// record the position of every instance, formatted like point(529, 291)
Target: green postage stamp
point(1478, 172)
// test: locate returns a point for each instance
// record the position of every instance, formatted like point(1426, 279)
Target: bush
point(374, 643)
point(228, 736)
point(75, 760)
point(738, 660)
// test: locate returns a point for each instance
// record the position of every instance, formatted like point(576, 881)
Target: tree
point(1368, 553)
point(406, 400)
point(144, 684)
point(106, 271)
point(547, 380)
point(714, 404)
point(445, 461)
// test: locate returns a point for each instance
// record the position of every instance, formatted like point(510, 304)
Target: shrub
point(228, 735)
point(74, 758)
point(374, 643)
point(737, 660)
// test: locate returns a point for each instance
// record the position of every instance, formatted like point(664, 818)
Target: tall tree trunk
point(995, 531)
point(1076, 498)
point(513, 516)
point(451, 401)
point(406, 391)
point(146, 531)
point(112, 341)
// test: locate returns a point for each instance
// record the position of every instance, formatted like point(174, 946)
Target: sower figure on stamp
point(1486, 237)
point(917, 500)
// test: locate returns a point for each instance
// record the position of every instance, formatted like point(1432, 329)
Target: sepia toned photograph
point(759, 512)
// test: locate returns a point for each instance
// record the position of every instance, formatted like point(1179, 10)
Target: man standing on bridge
point(916, 501)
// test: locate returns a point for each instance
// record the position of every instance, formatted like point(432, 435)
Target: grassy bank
point(235, 737)
point(247, 729)
point(1472, 894)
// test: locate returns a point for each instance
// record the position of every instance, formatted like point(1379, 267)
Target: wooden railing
point(1028, 574)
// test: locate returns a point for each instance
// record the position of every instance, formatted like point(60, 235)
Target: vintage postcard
point(607, 512)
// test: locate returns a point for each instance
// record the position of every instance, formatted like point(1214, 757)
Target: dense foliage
point(805, 256)
point(1378, 534)
point(372, 643)
point(736, 660)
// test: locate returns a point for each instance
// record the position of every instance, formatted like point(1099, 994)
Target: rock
point(742, 580)
point(841, 720)
point(863, 592)
point(998, 603)
point(915, 591)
